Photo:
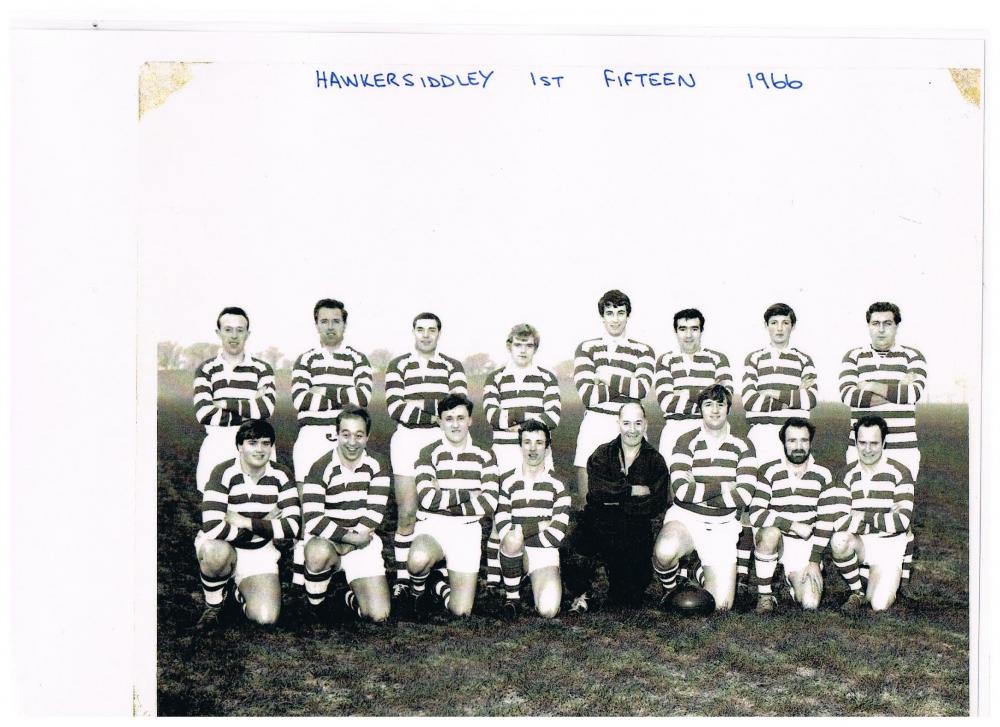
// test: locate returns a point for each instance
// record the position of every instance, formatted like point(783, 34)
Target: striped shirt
point(513, 396)
point(781, 370)
point(447, 476)
point(413, 387)
point(230, 489)
point(540, 507)
point(782, 498)
point(881, 503)
point(680, 377)
point(345, 375)
point(336, 499)
point(629, 368)
point(700, 473)
point(865, 364)
point(225, 395)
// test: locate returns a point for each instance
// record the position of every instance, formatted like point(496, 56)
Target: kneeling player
point(456, 487)
point(880, 492)
point(712, 477)
point(792, 514)
point(531, 520)
point(248, 503)
point(344, 500)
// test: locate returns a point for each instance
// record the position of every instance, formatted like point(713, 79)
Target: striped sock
point(667, 577)
point(764, 567)
point(401, 551)
point(316, 585)
point(494, 574)
point(512, 569)
point(744, 552)
point(351, 599)
point(418, 583)
point(442, 589)
point(699, 575)
point(908, 554)
point(848, 568)
point(214, 589)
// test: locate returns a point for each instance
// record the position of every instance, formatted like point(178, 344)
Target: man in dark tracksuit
point(629, 486)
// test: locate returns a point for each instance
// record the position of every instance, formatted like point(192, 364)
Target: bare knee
point(319, 555)
point(264, 614)
point(547, 607)
point(419, 561)
point(216, 558)
point(512, 543)
point(882, 601)
point(665, 552)
point(379, 613)
point(406, 520)
point(840, 544)
point(768, 541)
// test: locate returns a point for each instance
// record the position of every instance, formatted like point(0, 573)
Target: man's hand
point(317, 390)
point(603, 374)
point(640, 490)
point(801, 529)
point(909, 379)
point(356, 538)
point(808, 380)
point(238, 521)
point(274, 514)
point(875, 387)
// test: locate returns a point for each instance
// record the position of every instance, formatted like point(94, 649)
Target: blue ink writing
point(540, 80)
point(332, 79)
point(647, 80)
point(773, 81)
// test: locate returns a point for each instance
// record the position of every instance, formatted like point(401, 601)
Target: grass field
point(911, 660)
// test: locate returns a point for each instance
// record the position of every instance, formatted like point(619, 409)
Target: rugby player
point(344, 500)
point(713, 475)
point(248, 503)
point(531, 519)
point(793, 513)
point(682, 374)
point(229, 389)
point(629, 487)
point(608, 372)
point(414, 384)
point(456, 487)
point(325, 379)
point(779, 382)
point(875, 532)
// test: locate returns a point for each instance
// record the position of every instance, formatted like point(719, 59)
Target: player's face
point(351, 439)
point(632, 424)
point(455, 424)
point(797, 444)
point(688, 334)
point(713, 414)
point(330, 324)
point(869, 442)
point(533, 448)
point(233, 332)
point(779, 329)
point(882, 329)
point(615, 318)
point(522, 351)
point(254, 453)
point(425, 335)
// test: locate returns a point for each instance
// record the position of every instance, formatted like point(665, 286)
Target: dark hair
point(524, 330)
point(796, 422)
point(231, 310)
point(533, 425)
point(328, 303)
point(715, 392)
point(690, 313)
point(255, 429)
point(779, 309)
point(426, 315)
point(614, 298)
point(884, 307)
point(358, 413)
point(453, 400)
point(871, 420)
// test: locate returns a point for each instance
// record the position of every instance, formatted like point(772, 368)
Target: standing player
point(456, 487)
point(713, 475)
point(228, 390)
point(779, 382)
point(878, 526)
point(531, 518)
point(325, 380)
point(629, 487)
point(793, 513)
point(681, 375)
point(344, 500)
point(248, 503)
point(886, 379)
point(414, 384)
point(608, 372)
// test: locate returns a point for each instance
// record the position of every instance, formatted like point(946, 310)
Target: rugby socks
point(908, 560)
point(744, 552)
point(316, 585)
point(764, 567)
point(494, 572)
point(351, 599)
point(418, 583)
point(442, 589)
point(511, 568)
point(666, 576)
point(214, 588)
point(849, 570)
point(401, 551)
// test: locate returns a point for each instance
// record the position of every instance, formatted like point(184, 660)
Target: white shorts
point(461, 542)
point(910, 457)
point(312, 443)
point(766, 442)
point(715, 540)
point(596, 429)
point(884, 552)
point(218, 446)
point(509, 457)
point(405, 446)
point(674, 429)
point(794, 553)
point(249, 561)
point(535, 558)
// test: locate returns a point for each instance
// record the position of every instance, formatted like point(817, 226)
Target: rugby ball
point(692, 601)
